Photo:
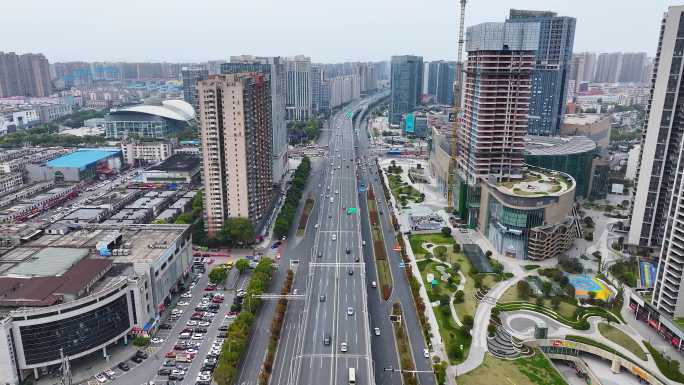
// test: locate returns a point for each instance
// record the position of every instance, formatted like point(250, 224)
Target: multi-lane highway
point(328, 333)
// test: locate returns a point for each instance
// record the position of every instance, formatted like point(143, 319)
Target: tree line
point(294, 195)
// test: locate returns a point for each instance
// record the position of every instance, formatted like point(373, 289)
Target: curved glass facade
point(508, 228)
point(82, 332)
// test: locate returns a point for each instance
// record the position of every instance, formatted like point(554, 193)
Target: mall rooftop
point(536, 182)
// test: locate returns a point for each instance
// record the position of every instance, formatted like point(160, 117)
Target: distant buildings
point(299, 94)
point(552, 67)
point(235, 120)
point(24, 75)
point(148, 121)
point(190, 76)
point(594, 126)
point(406, 83)
point(440, 81)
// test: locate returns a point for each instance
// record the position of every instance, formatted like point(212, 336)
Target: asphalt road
point(383, 356)
point(328, 267)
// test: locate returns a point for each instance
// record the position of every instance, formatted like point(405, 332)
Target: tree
point(540, 301)
point(555, 302)
point(459, 296)
point(444, 299)
point(242, 265)
point(546, 288)
point(218, 275)
point(456, 248)
point(237, 231)
point(488, 254)
point(524, 289)
point(440, 252)
point(141, 341)
point(446, 231)
point(468, 321)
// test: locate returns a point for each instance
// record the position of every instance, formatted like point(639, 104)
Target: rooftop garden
point(536, 183)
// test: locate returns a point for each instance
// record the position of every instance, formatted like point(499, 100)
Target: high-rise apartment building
point(498, 84)
point(190, 76)
point(659, 200)
point(24, 75)
point(275, 68)
point(552, 67)
point(440, 81)
point(406, 83)
point(632, 67)
point(316, 84)
point(299, 103)
point(608, 67)
point(235, 120)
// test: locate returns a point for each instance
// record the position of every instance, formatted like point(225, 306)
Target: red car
point(209, 288)
point(171, 355)
point(217, 300)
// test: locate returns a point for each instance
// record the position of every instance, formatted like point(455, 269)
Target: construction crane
point(458, 89)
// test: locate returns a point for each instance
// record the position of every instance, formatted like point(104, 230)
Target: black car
point(176, 377)
point(222, 335)
point(136, 359)
point(326, 339)
point(357, 259)
point(165, 326)
point(200, 330)
point(124, 366)
point(141, 354)
point(164, 372)
point(350, 272)
point(320, 254)
point(223, 328)
point(348, 251)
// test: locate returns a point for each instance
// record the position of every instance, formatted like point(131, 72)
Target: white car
point(204, 324)
point(192, 323)
point(350, 311)
point(157, 340)
point(184, 336)
point(186, 295)
point(334, 237)
point(178, 372)
point(197, 336)
point(376, 331)
point(101, 378)
point(426, 353)
point(343, 347)
point(183, 303)
point(204, 378)
point(191, 351)
point(110, 374)
point(374, 285)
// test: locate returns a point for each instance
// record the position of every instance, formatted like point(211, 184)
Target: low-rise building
point(415, 124)
point(138, 153)
point(594, 126)
point(80, 165)
point(79, 292)
point(179, 168)
point(10, 182)
point(50, 112)
point(530, 217)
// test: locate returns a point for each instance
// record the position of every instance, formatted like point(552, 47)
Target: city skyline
point(333, 40)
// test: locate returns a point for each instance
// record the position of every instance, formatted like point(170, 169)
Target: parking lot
point(185, 347)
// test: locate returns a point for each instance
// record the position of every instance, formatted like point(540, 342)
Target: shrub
point(456, 248)
point(141, 341)
point(446, 231)
point(468, 321)
point(459, 296)
point(524, 289)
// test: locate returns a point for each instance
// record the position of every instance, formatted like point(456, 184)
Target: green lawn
point(579, 322)
point(403, 191)
point(619, 337)
point(566, 308)
point(670, 371)
point(535, 370)
point(417, 241)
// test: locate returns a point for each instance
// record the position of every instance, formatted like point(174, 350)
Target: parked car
point(123, 366)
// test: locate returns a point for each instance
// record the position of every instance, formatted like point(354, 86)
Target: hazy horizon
point(356, 30)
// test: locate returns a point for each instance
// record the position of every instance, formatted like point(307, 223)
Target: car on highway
point(343, 347)
point(320, 254)
point(321, 298)
point(165, 326)
point(334, 237)
point(376, 331)
point(374, 284)
point(350, 311)
point(326, 339)
point(350, 272)
point(426, 353)
point(363, 243)
point(348, 251)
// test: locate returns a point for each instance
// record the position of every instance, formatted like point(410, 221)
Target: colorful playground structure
point(647, 273)
point(584, 284)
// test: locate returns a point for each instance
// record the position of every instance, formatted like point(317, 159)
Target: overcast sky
point(328, 31)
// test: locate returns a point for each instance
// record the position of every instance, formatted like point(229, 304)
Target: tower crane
point(458, 89)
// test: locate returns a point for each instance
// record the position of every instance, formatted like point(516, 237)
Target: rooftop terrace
point(537, 182)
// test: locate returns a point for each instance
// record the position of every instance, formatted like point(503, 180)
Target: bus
point(352, 376)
